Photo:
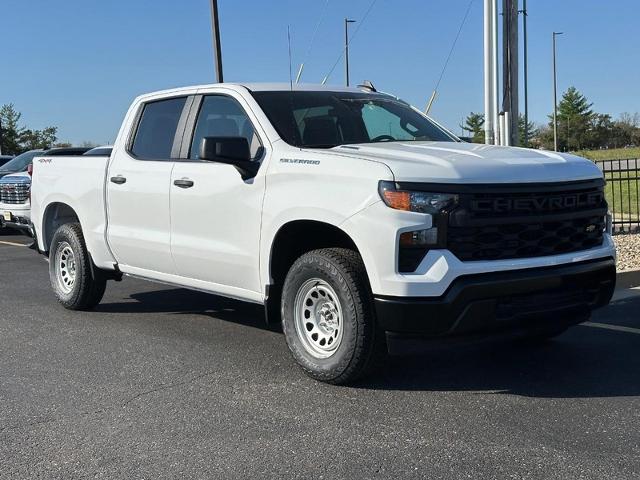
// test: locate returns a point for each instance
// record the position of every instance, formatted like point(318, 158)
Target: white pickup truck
point(356, 220)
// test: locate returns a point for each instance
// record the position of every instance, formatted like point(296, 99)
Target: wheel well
point(293, 240)
point(56, 215)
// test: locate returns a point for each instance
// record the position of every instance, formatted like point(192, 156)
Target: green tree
point(604, 132)
point(575, 121)
point(17, 139)
point(10, 130)
point(474, 124)
point(526, 130)
point(626, 130)
point(38, 139)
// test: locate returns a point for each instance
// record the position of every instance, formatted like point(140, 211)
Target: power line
point(323, 14)
point(453, 46)
point(350, 40)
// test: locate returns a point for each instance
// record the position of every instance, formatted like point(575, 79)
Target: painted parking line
point(13, 244)
point(626, 293)
point(616, 328)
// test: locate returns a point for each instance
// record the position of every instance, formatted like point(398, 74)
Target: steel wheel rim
point(65, 267)
point(318, 318)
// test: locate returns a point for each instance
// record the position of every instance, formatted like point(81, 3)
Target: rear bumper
point(500, 302)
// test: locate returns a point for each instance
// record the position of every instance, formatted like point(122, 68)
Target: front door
point(215, 214)
point(138, 190)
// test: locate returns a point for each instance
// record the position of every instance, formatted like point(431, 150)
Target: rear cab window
point(156, 129)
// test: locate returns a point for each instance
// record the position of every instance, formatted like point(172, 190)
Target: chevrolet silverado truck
point(357, 221)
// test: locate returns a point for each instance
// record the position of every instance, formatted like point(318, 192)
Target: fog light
point(419, 238)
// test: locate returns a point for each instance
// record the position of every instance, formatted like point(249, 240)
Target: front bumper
point(376, 231)
point(491, 303)
point(20, 219)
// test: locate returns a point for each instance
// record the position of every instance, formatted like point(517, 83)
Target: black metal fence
point(623, 193)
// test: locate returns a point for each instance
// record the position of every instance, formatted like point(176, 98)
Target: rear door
point(215, 214)
point(138, 188)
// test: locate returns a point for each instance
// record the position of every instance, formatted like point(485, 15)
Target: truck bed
point(73, 180)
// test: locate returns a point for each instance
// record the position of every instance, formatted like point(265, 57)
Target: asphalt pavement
point(161, 382)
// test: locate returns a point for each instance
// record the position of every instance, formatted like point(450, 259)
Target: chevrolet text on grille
point(539, 204)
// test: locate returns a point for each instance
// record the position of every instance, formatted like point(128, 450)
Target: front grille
point(14, 193)
point(520, 221)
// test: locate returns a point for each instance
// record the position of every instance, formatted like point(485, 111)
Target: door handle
point(119, 180)
point(183, 183)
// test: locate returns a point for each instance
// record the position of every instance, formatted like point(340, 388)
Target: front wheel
point(327, 316)
point(70, 270)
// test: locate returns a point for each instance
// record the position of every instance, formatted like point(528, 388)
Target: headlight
point(414, 201)
point(414, 245)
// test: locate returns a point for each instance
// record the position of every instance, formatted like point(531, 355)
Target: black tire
point(361, 344)
point(86, 291)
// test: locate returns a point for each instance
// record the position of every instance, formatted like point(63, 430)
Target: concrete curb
point(628, 279)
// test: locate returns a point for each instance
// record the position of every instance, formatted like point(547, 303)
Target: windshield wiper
point(320, 145)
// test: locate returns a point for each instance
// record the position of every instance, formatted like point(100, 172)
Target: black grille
point(543, 302)
point(14, 193)
point(493, 223)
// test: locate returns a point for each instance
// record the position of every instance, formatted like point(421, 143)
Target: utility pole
point(490, 71)
point(346, 49)
point(510, 69)
point(555, 94)
point(217, 49)
point(526, 74)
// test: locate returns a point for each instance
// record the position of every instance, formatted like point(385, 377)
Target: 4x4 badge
point(590, 228)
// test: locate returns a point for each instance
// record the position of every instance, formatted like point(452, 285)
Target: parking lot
point(160, 382)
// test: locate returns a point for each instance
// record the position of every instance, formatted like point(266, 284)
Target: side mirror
point(231, 150)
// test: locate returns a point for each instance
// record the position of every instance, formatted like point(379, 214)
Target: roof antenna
point(299, 73)
point(293, 118)
point(290, 71)
point(313, 38)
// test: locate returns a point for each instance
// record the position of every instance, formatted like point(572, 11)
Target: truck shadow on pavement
point(184, 302)
point(584, 362)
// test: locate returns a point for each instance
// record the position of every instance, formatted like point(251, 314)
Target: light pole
point(217, 49)
point(526, 74)
point(555, 94)
point(346, 49)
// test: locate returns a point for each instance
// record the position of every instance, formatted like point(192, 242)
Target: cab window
point(157, 129)
point(222, 116)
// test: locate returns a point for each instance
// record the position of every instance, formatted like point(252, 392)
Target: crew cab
point(355, 219)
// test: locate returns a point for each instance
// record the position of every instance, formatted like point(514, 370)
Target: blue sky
point(77, 64)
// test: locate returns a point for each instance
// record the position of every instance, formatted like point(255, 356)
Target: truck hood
point(449, 162)
point(19, 177)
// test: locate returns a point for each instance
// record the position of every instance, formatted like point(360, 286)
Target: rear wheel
point(70, 270)
point(327, 316)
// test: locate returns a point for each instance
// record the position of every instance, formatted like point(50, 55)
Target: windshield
point(327, 119)
point(21, 162)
